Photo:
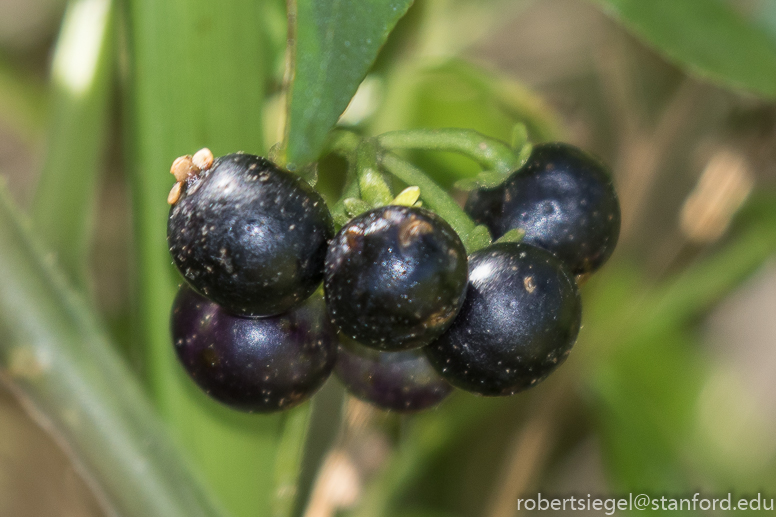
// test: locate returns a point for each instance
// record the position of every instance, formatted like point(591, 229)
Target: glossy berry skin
point(520, 319)
point(395, 277)
point(250, 236)
point(398, 381)
point(563, 199)
point(254, 364)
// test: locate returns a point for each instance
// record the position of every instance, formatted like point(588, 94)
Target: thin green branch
point(288, 463)
point(374, 190)
point(345, 143)
point(435, 198)
point(59, 361)
point(491, 154)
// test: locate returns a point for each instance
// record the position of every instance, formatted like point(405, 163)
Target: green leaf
point(706, 37)
point(64, 204)
point(197, 80)
point(336, 42)
point(62, 365)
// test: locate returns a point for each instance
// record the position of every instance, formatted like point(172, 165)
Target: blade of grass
point(65, 200)
point(56, 358)
point(198, 79)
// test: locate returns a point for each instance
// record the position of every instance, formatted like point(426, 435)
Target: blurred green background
point(670, 388)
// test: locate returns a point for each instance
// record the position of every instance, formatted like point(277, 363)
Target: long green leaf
point(335, 44)
point(198, 80)
point(62, 365)
point(706, 37)
point(65, 200)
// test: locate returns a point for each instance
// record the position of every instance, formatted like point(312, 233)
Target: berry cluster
point(405, 314)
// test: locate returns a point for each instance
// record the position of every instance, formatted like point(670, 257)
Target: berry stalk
point(491, 154)
point(435, 198)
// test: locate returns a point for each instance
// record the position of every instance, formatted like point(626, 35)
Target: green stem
point(374, 190)
point(491, 154)
point(288, 463)
point(345, 143)
point(435, 198)
point(58, 360)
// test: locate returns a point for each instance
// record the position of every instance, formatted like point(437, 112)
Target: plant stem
point(57, 359)
point(374, 190)
point(288, 462)
point(345, 143)
point(433, 196)
point(491, 154)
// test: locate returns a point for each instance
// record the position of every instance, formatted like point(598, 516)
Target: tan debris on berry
point(203, 159)
point(175, 193)
point(183, 167)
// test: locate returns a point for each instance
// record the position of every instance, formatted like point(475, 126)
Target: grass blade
point(198, 80)
point(62, 365)
point(65, 200)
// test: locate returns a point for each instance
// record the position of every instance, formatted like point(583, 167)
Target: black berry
point(255, 365)
point(395, 277)
point(485, 206)
point(563, 199)
point(249, 235)
point(399, 381)
point(520, 319)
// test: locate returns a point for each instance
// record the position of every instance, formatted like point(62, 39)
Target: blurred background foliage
point(670, 388)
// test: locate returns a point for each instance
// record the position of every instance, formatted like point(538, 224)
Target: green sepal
point(477, 239)
point(513, 235)
point(355, 206)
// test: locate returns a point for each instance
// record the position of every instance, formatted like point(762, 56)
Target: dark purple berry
point(249, 236)
point(251, 364)
point(485, 206)
point(395, 277)
point(563, 199)
point(520, 319)
point(399, 381)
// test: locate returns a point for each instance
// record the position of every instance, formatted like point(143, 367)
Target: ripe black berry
point(249, 236)
point(401, 381)
point(395, 277)
point(563, 199)
point(485, 206)
point(520, 319)
point(250, 364)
